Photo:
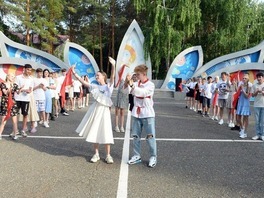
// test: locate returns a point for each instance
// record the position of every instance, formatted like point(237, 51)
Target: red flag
point(180, 87)
point(10, 104)
point(215, 99)
point(120, 74)
point(235, 98)
point(67, 81)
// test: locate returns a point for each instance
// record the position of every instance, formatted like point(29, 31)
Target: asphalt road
point(196, 158)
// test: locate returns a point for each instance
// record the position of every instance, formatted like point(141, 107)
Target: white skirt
point(96, 126)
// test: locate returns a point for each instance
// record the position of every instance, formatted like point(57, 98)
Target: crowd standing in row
point(232, 95)
point(36, 99)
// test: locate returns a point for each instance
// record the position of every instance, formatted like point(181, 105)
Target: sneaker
point(65, 114)
point(33, 130)
point(23, 134)
point(41, 122)
point(109, 159)
point(256, 137)
point(221, 122)
point(134, 160)
point(15, 137)
point(212, 117)
point(216, 118)
point(262, 137)
point(244, 135)
point(122, 130)
point(117, 129)
point(46, 124)
point(17, 133)
point(35, 124)
point(230, 125)
point(235, 128)
point(95, 158)
point(152, 162)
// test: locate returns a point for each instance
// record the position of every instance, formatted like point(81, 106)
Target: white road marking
point(46, 137)
point(123, 174)
point(127, 138)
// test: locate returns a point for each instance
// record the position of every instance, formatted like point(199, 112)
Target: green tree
point(224, 27)
point(167, 25)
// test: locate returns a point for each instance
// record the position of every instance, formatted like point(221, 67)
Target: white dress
point(96, 126)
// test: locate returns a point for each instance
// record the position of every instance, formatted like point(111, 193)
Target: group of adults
point(210, 97)
point(36, 99)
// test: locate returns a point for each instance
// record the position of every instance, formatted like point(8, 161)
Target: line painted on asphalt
point(123, 174)
point(127, 138)
point(199, 140)
point(206, 140)
point(47, 137)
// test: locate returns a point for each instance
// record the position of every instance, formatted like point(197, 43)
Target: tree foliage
point(169, 26)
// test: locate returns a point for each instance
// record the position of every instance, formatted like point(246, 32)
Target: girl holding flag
point(8, 105)
point(96, 126)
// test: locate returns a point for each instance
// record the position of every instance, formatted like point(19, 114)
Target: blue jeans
point(147, 124)
point(259, 120)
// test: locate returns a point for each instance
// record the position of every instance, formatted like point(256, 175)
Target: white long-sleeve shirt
point(143, 100)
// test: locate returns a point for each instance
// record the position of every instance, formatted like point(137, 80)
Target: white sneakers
point(231, 124)
point(152, 162)
point(134, 160)
point(137, 159)
point(117, 129)
point(46, 124)
point(221, 122)
point(242, 134)
point(122, 130)
point(109, 159)
point(258, 138)
point(96, 158)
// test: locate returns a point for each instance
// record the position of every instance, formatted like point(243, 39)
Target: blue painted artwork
point(184, 68)
point(250, 58)
point(17, 53)
point(83, 64)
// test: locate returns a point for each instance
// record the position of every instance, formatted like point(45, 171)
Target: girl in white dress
point(96, 126)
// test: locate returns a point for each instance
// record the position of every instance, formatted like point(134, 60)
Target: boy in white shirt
point(207, 96)
point(39, 94)
point(25, 83)
point(258, 93)
point(222, 88)
point(143, 115)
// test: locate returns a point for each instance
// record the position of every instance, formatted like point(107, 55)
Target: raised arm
point(85, 83)
point(112, 76)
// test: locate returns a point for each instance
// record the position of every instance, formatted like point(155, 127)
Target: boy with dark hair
point(25, 83)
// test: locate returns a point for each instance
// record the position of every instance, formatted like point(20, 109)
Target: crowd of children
point(211, 98)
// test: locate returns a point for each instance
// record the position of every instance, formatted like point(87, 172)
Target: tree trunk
point(28, 19)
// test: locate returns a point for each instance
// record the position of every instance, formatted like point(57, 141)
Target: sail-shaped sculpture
point(16, 55)
point(183, 66)
point(131, 53)
point(246, 60)
point(84, 62)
